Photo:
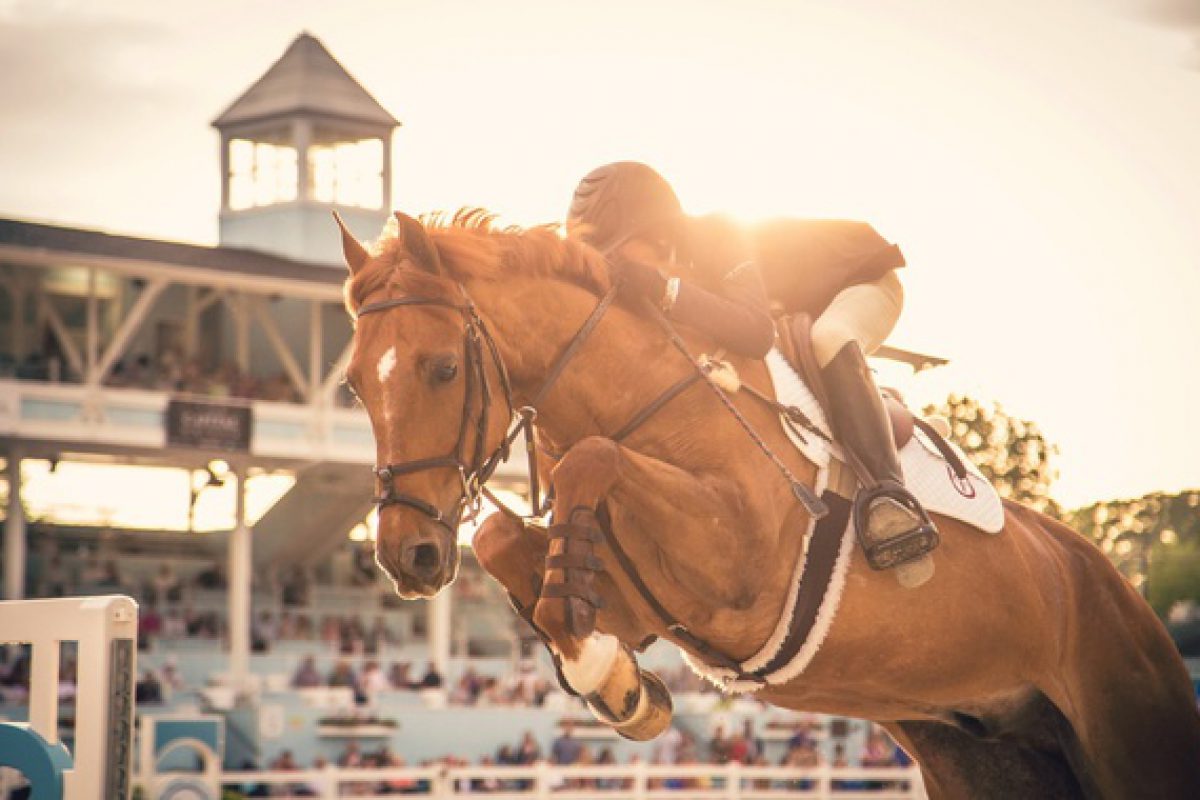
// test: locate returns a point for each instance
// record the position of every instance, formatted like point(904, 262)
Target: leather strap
point(573, 346)
point(574, 561)
point(943, 447)
point(656, 405)
point(573, 589)
point(677, 629)
point(799, 329)
point(577, 560)
point(475, 471)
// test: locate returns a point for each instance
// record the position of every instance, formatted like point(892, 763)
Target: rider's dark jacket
point(738, 278)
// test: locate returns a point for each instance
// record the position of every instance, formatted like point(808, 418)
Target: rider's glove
point(640, 280)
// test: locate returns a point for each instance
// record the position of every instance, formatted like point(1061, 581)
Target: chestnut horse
point(1026, 667)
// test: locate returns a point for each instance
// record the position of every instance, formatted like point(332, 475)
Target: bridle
point(475, 472)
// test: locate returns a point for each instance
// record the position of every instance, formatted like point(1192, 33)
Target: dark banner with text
point(210, 426)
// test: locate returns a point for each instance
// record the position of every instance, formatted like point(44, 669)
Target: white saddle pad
point(927, 474)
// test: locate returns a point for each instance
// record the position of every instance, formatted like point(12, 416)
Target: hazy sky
point(1036, 159)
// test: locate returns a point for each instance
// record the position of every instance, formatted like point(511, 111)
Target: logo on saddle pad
point(961, 485)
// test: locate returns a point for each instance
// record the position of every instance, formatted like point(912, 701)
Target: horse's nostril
point(425, 556)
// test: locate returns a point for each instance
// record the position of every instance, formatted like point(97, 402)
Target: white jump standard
point(106, 631)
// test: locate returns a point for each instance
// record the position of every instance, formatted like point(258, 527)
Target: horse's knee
point(589, 468)
point(495, 540)
point(512, 554)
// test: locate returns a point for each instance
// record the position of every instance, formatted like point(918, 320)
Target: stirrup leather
point(907, 546)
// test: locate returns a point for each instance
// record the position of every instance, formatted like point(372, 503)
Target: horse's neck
point(610, 377)
point(626, 364)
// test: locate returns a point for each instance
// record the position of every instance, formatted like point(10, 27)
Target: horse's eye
point(445, 371)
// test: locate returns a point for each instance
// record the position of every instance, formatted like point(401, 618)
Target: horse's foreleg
point(605, 673)
point(596, 665)
point(569, 599)
point(650, 493)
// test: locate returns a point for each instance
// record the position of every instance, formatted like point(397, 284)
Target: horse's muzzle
point(419, 566)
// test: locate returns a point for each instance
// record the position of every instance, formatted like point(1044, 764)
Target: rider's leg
point(864, 313)
point(856, 323)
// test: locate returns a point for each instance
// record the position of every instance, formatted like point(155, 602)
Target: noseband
point(474, 473)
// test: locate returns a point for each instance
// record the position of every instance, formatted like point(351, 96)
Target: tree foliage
point(1155, 538)
point(1154, 541)
point(1012, 453)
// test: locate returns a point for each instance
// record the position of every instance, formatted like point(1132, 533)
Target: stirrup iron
point(904, 547)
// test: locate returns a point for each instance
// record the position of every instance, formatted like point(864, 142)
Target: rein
point(529, 413)
point(813, 504)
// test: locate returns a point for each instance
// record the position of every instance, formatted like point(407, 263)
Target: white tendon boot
point(606, 675)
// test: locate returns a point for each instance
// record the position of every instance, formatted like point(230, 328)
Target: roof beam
point(177, 273)
point(286, 357)
point(133, 320)
point(336, 373)
point(316, 338)
point(93, 322)
point(74, 359)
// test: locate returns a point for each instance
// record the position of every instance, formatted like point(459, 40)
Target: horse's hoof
point(915, 573)
point(608, 677)
point(653, 713)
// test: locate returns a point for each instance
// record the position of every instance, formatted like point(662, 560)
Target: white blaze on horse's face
point(387, 363)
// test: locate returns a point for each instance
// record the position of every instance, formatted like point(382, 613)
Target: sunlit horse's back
point(1025, 668)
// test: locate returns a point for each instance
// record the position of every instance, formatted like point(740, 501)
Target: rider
point(842, 274)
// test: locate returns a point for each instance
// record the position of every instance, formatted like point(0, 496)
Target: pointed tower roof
point(306, 79)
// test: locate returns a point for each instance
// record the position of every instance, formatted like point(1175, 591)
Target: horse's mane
point(471, 246)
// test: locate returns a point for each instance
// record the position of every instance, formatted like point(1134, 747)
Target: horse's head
point(434, 388)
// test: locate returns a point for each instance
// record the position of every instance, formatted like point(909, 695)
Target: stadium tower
point(303, 140)
point(118, 350)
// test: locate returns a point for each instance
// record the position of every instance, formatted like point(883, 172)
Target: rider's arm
point(736, 316)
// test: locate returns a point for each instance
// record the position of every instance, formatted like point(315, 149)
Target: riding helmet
point(621, 200)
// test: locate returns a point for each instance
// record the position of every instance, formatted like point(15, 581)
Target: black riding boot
point(891, 524)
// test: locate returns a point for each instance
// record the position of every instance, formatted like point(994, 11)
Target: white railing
point(121, 417)
point(112, 416)
point(616, 782)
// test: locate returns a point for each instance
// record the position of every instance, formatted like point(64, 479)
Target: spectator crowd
point(675, 747)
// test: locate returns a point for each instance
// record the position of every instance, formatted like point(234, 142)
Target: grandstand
point(174, 429)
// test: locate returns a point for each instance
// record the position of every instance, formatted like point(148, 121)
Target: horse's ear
point(418, 244)
point(356, 255)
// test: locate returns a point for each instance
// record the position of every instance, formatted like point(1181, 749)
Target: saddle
point(795, 342)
